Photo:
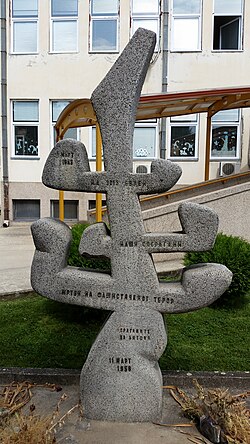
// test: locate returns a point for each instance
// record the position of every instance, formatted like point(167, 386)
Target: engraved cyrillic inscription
point(134, 334)
point(123, 364)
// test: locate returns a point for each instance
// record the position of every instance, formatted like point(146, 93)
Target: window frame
point(25, 19)
point(103, 17)
point(63, 18)
point(15, 123)
point(187, 16)
point(184, 121)
point(228, 123)
point(53, 122)
point(234, 18)
point(141, 16)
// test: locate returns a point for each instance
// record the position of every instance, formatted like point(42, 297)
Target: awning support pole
point(98, 168)
point(208, 145)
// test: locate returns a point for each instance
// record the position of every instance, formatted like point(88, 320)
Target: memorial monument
point(121, 379)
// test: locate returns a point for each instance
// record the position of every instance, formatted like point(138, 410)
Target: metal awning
point(80, 112)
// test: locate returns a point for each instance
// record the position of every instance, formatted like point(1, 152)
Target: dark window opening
point(26, 210)
point(227, 33)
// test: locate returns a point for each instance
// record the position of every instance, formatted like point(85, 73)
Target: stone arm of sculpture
point(199, 229)
point(51, 277)
point(67, 168)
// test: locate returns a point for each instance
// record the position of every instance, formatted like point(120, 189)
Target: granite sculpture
point(121, 379)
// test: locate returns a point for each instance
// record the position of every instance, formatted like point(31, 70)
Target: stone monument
point(121, 379)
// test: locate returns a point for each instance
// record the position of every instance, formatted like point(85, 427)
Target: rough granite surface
point(121, 380)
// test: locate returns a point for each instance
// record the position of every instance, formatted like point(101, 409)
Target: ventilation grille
point(229, 168)
point(141, 169)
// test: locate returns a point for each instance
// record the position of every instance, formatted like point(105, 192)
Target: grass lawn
point(37, 332)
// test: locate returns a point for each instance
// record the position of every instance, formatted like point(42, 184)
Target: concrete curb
point(6, 296)
point(235, 380)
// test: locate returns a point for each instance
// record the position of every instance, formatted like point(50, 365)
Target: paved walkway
point(16, 253)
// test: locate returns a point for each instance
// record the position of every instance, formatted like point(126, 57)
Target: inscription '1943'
point(67, 158)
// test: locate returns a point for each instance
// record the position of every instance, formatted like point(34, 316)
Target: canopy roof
point(80, 112)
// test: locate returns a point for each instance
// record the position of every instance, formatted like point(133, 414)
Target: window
point(92, 204)
point(225, 134)
point(228, 24)
point(186, 25)
point(183, 137)
point(93, 142)
point(26, 209)
point(104, 22)
point(24, 26)
point(25, 125)
point(57, 107)
point(144, 141)
point(64, 21)
point(70, 209)
point(145, 14)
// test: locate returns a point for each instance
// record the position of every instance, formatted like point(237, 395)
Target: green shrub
point(77, 260)
point(233, 252)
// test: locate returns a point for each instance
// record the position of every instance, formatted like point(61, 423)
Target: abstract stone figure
point(121, 379)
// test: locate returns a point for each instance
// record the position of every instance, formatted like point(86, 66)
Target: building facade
point(57, 51)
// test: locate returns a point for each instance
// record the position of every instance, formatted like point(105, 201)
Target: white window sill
point(183, 159)
point(25, 157)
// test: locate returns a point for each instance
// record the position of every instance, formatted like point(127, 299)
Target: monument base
point(121, 379)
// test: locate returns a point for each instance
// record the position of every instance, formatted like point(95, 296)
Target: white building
point(57, 51)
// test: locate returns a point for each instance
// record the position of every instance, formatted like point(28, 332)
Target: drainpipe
point(4, 116)
point(164, 44)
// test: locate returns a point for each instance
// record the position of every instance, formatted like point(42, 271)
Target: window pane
point(152, 25)
point(104, 7)
point(70, 209)
point(186, 7)
point(60, 8)
point(64, 36)
point(145, 6)
point(144, 142)
point(224, 141)
point(71, 133)
point(25, 111)
point(228, 6)
point(26, 141)
point(25, 37)
point(229, 37)
point(186, 34)
point(182, 141)
point(57, 107)
point(104, 35)
point(26, 209)
point(24, 8)
point(227, 115)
